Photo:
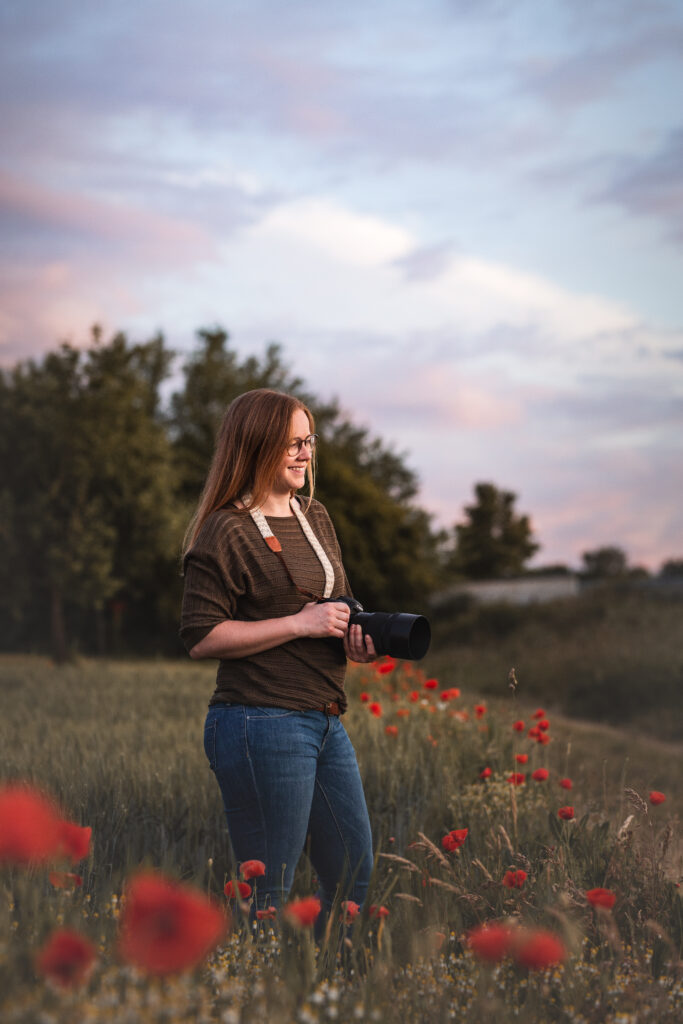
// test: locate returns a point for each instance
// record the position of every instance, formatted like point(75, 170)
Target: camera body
point(398, 634)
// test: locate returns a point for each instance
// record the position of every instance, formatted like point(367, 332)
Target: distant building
point(523, 590)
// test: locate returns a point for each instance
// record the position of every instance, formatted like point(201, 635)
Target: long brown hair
point(249, 447)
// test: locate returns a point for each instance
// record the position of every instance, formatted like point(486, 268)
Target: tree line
point(100, 473)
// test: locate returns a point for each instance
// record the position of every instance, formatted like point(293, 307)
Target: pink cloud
point(150, 235)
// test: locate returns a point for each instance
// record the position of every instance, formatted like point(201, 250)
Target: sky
point(461, 218)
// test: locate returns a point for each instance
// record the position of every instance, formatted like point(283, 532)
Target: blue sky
point(463, 219)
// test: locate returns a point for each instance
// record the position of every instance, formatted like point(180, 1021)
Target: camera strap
point(275, 546)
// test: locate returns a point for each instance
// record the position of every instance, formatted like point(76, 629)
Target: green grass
point(611, 655)
point(120, 744)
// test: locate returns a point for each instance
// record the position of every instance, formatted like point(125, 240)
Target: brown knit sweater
point(230, 573)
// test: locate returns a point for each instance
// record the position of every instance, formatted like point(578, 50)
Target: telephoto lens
point(398, 634)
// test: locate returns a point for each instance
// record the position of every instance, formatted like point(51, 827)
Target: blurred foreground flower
point(350, 911)
point(514, 879)
point(75, 841)
point(378, 912)
point(537, 949)
point(532, 948)
point(30, 826)
point(267, 914)
point(601, 898)
point(241, 889)
point(252, 869)
point(167, 926)
point(66, 958)
point(454, 839)
point(490, 942)
point(302, 913)
point(656, 797)
point(516, 778)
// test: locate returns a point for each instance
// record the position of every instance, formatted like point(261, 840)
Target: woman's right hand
point(325, 619)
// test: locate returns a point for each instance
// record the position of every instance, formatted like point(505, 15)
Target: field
point(119, 744)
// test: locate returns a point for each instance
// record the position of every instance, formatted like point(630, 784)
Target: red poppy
point(538, 713)
point(379, 912)
point(514, 879)
point(252, 869)
point(414, 696)
point(490, 942)
point(243, 890)
point(518, 726)
point(30, 827)
point(302, 913)
point(391, 730)
point(167, 926)
point(430, 684)
point(537, 949)
point(480, 710)
point(365, 697)
point(544, 725)
point(566, 783)
point(656, 797)
point(75, 841)
point(485, 773)
point(453, 693)
point(543, 738)
point(521, 758)
point(266, 915)
point(540, 774)
point(534, 733)
point(403, 712)
point(566, 813)
point(454, 839)
point(601, 898)
point(384, 667)
point(516, 778)
point(66, 958)
point(65, 880)
point(350, 911)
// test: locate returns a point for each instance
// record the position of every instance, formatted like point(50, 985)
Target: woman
point(257, 562)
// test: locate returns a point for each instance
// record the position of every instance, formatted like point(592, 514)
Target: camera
point(398, 634)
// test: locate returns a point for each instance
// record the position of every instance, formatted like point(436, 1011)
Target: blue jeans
point(285, 776)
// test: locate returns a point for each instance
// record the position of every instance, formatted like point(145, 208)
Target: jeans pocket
point(210, 742)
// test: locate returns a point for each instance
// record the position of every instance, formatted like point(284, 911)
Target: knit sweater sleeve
point(214, 581)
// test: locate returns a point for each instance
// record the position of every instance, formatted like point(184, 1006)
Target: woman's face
point(292, 472)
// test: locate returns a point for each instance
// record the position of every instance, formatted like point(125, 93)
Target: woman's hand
point(358, 647)
point(323, 619)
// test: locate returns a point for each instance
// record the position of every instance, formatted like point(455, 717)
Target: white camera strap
point(275, 546)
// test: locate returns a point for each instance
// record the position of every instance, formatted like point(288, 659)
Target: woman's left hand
point(357, 647)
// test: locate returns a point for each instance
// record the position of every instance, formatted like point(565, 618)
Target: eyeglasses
point(295, 447)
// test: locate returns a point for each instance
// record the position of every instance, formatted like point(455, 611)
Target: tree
point(605, 563)
point(494, 541)
point(85, 486)
point(672, 568)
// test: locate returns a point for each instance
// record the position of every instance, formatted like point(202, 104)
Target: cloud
point(652, 186)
